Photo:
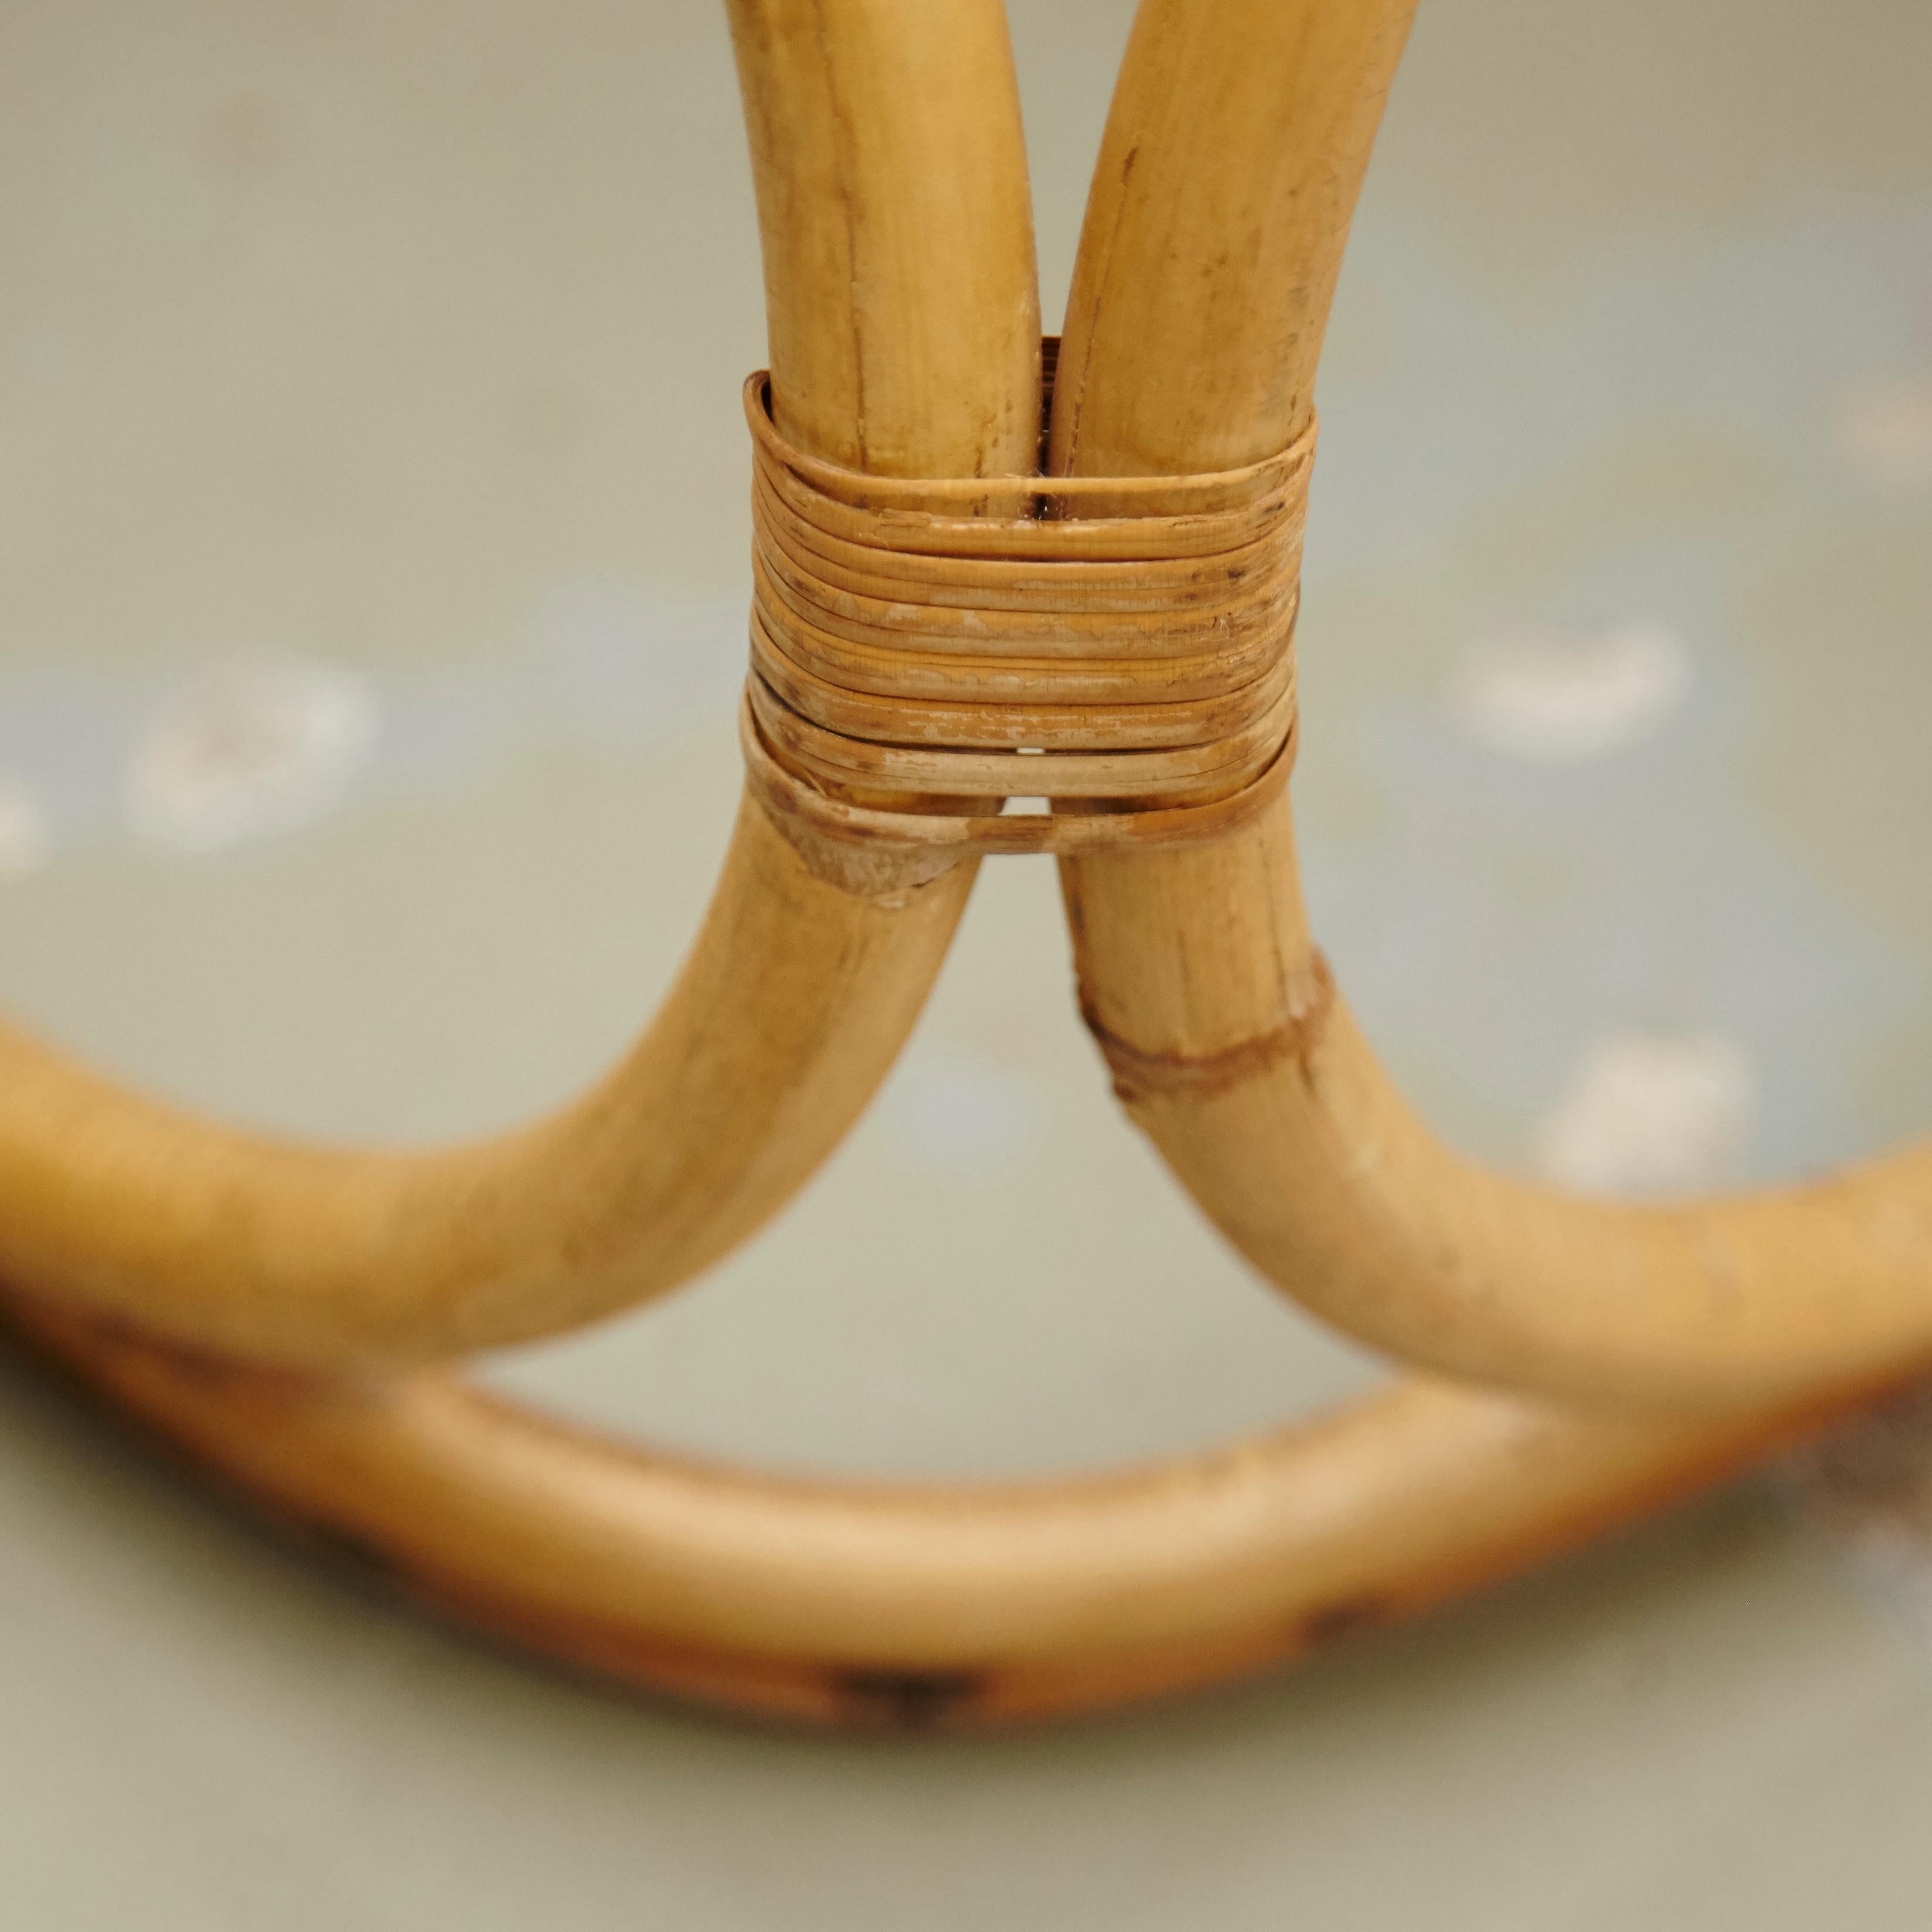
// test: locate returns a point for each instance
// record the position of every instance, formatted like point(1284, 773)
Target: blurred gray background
point(372, 529)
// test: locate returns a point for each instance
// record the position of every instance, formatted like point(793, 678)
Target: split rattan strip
point(922, 651)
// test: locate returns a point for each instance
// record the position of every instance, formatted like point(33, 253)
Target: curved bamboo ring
point(912, 1605)
point(1188, 345)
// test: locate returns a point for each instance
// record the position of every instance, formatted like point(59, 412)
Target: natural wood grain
point(1227, 174)
point(879, 1603)
point(789, 1011)
point(900, 302)
point(904, 335)
point(1238, 136)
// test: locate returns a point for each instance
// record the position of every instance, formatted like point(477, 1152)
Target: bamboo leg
point(1238, 139)
point(792, 1006)
point(905, 337)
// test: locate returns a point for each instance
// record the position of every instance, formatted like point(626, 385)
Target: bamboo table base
point(274, 1310)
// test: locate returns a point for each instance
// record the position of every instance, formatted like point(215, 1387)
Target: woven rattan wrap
point(922, 652)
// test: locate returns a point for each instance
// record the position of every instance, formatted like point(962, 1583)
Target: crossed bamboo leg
point(793, 1004)
point(893, 355)
point(903, 331)
point(1237, 138)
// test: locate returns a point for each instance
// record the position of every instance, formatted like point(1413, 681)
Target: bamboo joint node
point(1142, 1073)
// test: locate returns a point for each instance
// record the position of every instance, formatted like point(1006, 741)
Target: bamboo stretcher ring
point(1123, 613)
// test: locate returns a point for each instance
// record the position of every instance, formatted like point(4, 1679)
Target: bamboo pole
point(913, 1604)
point(1227, 178)
point(900, 300)
point(1236, 142)
point(791, 1007)
point(904, 339)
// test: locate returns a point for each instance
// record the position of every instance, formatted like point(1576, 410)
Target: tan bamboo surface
point(918, 1603)
point(892, 353)
point(914, 1604)
point(1212, 242)
point(910, 647)
point(791, 1007)
point(931, 651)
